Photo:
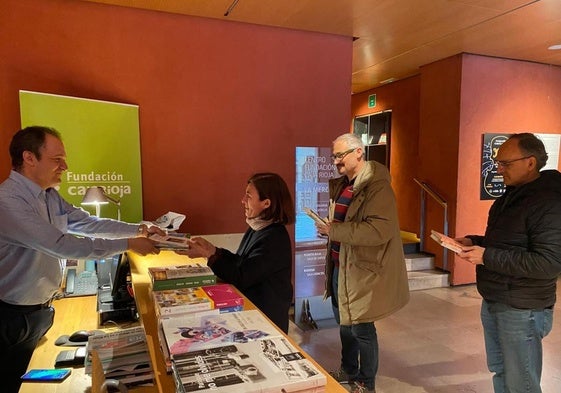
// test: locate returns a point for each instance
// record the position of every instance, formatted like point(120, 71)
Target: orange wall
point(403, 99)
point(218, 100)
point(498, 96)
point(438, 146)
point(459, 99)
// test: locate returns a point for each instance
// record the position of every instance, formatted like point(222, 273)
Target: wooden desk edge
point(80, 313)
point(141, 285)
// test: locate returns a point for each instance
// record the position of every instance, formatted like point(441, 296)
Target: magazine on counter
point(268, 365)
point(188, 332)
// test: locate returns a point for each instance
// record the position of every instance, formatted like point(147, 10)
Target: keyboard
point(82, 284)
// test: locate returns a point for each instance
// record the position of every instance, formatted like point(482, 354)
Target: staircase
point(420, 266)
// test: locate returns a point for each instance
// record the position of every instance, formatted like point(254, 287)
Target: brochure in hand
point(446, 241)
point(175, 241)
point(314, 216)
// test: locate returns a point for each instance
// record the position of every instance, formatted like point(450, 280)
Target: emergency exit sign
point(372, 100)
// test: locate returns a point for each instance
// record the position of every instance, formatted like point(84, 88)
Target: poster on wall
point(102, 143)
point(492, 185)
point(314, 168)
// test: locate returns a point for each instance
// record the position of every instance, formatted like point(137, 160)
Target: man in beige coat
point(365, 266)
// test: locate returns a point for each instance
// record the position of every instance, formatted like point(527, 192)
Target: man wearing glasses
point(517, 264)
point(365, 267)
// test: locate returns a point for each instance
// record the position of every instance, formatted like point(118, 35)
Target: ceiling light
point(389, 80)
point(555, 47)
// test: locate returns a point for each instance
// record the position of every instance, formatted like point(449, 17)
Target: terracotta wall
point(498, 96)
point(218, 100)
point(403, 99)
point(438, 147)
point(458, 100)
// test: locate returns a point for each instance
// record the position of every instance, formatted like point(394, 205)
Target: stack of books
point(186, 300)
point(124, 356)
point(235, 352)
point(182, 276)
point(209, 343)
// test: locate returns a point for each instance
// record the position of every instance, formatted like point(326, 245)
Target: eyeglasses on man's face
point(507, 163)
point(341, 154)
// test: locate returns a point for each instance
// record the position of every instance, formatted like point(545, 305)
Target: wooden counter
point(79, 313)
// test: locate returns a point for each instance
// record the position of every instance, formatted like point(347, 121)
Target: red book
point(223, 295)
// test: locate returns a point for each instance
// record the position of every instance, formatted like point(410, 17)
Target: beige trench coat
point(372, 274)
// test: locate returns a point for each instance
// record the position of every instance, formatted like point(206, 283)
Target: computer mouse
point(80, 336)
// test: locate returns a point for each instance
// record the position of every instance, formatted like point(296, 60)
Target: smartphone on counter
point(46, 375)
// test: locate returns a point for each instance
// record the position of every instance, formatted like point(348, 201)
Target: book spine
point(183, 309)
point(227, 303)
point(224, 310)
point(187, 282)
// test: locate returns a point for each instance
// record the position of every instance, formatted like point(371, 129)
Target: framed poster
point(492, 185)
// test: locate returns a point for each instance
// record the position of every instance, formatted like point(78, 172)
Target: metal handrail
point(426, 189)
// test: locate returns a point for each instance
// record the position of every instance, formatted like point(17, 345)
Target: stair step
point(425, 279)
point(419, 261)
point(410, 242)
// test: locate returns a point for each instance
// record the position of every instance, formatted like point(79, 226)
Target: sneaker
point(358, 387)
point(341, 376)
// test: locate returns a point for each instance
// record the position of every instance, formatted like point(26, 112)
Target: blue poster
point(314, 168)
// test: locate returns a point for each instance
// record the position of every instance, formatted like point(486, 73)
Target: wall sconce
point(97, 196)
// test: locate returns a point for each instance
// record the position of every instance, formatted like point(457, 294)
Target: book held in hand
point(314, 216)
point(176, 241)
point(446, 241)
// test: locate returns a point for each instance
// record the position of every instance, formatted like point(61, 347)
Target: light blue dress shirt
point(33, 244)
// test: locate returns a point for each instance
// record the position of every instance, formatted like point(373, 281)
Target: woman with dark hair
point(262, 267)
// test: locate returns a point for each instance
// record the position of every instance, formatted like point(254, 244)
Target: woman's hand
point(198, 248)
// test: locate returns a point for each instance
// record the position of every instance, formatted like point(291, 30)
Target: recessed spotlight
point(389, 80)
point(555, 47)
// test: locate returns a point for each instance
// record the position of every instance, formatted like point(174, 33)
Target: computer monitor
point(117, 271)
point(120, 279)
point(115, 303)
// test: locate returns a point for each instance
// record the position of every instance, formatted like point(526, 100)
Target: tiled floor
point(433, 345)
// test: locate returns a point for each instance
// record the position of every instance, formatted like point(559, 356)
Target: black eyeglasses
point(506, 163)
point(342, 154)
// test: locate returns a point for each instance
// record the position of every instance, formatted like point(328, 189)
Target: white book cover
point(195, 331)
point(267, 365)
point(120, 351)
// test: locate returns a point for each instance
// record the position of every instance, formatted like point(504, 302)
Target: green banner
point(102, 142)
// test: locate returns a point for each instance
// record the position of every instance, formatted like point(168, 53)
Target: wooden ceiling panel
point(397, 37)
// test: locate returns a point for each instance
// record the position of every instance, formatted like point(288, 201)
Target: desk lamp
point(97, 196)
